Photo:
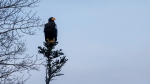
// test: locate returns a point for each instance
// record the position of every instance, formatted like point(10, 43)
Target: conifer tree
point(55, 59)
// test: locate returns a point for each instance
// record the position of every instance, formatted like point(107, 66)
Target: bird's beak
point(53, 19)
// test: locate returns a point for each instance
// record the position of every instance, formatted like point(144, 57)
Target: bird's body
point(50, 31)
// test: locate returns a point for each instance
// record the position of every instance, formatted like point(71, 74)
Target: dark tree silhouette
point(55, 59)
point(14, 24)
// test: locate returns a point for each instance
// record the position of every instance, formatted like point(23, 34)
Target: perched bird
point(50, 30)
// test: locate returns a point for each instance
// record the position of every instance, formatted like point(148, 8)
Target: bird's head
point(51, 19)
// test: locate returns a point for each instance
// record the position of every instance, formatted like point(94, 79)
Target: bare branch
point(14, 24)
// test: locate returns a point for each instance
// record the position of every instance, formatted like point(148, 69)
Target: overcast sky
point(106, 41)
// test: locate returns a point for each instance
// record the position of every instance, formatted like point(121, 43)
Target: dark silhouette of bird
point(50, 30)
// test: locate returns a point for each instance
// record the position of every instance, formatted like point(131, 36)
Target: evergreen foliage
point(55, 59)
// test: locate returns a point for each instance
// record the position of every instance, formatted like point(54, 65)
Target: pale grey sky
point(106, 42)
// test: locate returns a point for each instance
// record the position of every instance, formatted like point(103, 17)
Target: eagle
point(50, 30)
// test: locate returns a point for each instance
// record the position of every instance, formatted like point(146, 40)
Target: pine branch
point(55, 59)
